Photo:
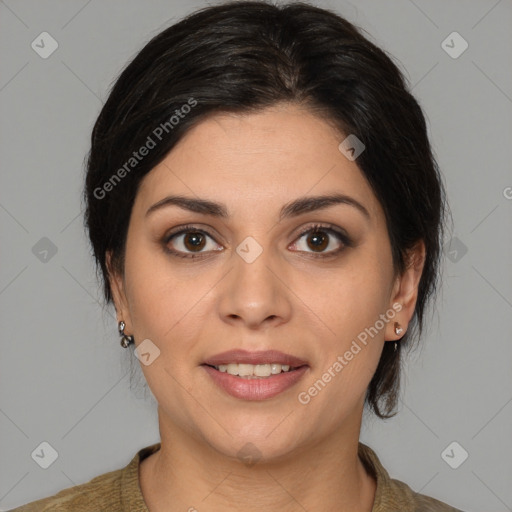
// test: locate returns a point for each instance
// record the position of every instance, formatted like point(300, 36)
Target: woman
point(266, 213)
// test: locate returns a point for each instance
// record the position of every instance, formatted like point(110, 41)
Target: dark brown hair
point(243, 57)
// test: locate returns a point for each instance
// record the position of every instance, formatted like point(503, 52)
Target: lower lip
point(255, 389)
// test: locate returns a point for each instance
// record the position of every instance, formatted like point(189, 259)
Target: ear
point(405, 290)
point(118, 294)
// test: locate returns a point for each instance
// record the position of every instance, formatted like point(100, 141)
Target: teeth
point(244, 370)
point(253, 370)
point(262, 370)
point(275, 368)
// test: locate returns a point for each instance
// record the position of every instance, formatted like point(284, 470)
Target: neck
point(186, 475)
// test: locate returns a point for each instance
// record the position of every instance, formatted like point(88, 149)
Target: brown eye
point(320, 241)
point(317, 240)
point(189, 242)
point(194, 241)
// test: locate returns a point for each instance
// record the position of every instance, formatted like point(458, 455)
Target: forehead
point(249, 160)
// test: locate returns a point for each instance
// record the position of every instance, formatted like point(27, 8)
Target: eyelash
point(346, 241)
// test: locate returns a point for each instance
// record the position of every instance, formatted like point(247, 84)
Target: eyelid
point(181, 230)
point(340, 233)
point(318, 226)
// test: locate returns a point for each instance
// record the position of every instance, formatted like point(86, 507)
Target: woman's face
point(258, 283)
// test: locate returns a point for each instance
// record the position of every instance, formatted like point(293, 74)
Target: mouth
point(255, 375)
point(254, 371)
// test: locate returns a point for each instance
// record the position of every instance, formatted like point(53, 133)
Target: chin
point(251, 449)
point(251, 438)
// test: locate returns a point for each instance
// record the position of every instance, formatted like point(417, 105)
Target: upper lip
point(258, 357)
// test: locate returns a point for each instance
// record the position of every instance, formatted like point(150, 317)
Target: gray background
point(64, 378)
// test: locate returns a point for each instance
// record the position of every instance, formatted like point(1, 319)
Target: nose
point(254, 293)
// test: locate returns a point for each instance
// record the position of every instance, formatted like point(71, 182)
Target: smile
point(256, 371)
point(256, 375)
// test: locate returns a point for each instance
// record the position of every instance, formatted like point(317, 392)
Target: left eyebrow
point(293, 209)
point(312, 203)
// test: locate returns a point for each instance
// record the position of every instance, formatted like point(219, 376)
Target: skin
point(287, 299)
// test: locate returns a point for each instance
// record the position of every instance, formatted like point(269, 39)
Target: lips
point(260, 357)
point(255, 388)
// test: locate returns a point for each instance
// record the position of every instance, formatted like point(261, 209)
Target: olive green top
point(119, 491)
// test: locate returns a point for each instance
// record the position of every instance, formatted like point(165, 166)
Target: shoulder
point(103, 489)
point(419, 502)
point(114, 491)
point(392, 495)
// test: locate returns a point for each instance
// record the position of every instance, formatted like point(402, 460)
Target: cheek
point(161, 303)
point(158, 298)
point(351, 309)
point(353, 297)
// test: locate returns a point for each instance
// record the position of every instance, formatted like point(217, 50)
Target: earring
point(398, 330)
point(125, 340)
